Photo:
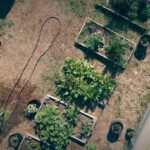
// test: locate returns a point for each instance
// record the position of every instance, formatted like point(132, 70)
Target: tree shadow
point(117, 23)
point(5, 7)
point(140, 53)
point(111, 137)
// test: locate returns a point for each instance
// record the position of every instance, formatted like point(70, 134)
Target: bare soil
point(124, 104)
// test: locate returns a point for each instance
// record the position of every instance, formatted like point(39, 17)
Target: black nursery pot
point(15, 140)
point(35, 102)
point(116, 127)
point(145, 40)
point(129, 134)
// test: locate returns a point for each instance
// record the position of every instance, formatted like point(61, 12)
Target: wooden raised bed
point(107, 35)
point(108, 8)
point(84, 117)
point(30, 141)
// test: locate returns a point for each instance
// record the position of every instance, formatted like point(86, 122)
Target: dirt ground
point(124, 105)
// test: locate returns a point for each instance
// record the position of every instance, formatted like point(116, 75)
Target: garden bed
point(30, 142)
point(91, 27)
point(142, 27)
point(83, 118)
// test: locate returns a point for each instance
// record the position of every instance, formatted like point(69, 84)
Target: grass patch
point(145, 101)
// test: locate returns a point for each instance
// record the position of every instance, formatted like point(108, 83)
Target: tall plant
point(52, 128)
point(116, 51)
point(80, 84)
point(94, 42)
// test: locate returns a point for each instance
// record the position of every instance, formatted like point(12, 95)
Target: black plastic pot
point(35, 102)
point(129, 134)
point(15, 140)
point(116, 127)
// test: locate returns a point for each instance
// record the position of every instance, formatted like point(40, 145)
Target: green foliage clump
point(90, 147)
point(94, 42)
point(30, 110)
point(145, 101)
point(86, 130)
point(81, 85)
point(132, 9)
point(72, 115)
point(116, 51)
point(117, 127)
point(3, 25)
point(52, 127)
point(35, 145)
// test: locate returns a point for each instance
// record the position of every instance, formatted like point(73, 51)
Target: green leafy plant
point(86, 130)
point(1, 119)
point(90, 147)
point(30, 110)
point(72, 115)
point(117, 127)
point(116, 51)
point(34, 145)
point(132, 9)
point(52, 128)
point(81, 85)
point(94, 42)
point(145, 40)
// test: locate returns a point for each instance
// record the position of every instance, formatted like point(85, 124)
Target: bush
point(52, 128)
point(30, 110)
point(132, 9)
point(117, 127)
point(94, 42)
point(86, 130)
point(116, 50)
point(72, 115)
point(81, 85)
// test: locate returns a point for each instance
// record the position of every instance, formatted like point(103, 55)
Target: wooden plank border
point(106, 29)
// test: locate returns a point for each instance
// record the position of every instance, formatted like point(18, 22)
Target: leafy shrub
point(117, 127)
point(72, 115)
point(116, 50)
point(52, 127)
point(94, 42)
point(34, 145)
point(90, 147)
point(132, 9)
point(86, 130)
point(145, 14)
point(80, 84)
point(30, 110)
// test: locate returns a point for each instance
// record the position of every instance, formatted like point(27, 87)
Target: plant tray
point(84, 117)
point(107, 35)
point(27, 142)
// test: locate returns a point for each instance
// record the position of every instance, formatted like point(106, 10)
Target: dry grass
point(132, 84)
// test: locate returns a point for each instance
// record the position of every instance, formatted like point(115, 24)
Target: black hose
point(18, 80)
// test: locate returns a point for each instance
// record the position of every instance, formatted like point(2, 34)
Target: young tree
point(52, 127)
point(80, 84)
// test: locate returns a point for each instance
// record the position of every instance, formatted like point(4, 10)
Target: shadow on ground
point(5, 7)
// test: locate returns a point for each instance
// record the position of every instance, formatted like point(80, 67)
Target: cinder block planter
point(107, 35)
point(84, 117)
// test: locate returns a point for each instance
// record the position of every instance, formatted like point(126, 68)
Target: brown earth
point(28, 17)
